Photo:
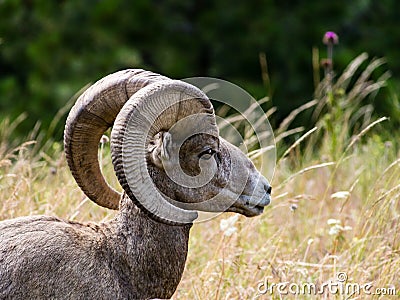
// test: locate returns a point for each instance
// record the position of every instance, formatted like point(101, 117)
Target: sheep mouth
point(250, 206)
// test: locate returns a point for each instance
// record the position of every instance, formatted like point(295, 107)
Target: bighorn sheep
point(141, 253)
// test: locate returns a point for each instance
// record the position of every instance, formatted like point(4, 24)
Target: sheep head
point(166, 150)
point(232, 181)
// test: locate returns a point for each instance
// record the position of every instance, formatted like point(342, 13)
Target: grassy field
point(335, 213)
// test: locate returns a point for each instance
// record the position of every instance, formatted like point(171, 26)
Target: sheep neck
point(154, 251)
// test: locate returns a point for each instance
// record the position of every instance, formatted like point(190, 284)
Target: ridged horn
point(93, 113)
point(157, 107)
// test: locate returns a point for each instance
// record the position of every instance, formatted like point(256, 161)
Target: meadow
point(335, 213)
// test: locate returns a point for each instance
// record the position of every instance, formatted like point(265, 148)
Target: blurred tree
point(49, 50)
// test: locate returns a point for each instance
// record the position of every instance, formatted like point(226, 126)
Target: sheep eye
point(207, 154)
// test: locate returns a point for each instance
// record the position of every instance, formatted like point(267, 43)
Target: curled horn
point(155, 108)
point(93, 113)
point(138, 104)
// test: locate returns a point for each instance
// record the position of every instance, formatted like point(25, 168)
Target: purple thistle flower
point(330, 38)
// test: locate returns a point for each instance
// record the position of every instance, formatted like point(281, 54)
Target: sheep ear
point(166, 146)
point(161, 149)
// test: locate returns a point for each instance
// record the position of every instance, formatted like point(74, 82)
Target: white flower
point(340, 195)
point(104, 139)
point(335, 229)
point(228, 225)
point(334, 222)
point(229, 231)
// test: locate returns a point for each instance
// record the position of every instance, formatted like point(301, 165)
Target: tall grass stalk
point(334, 209)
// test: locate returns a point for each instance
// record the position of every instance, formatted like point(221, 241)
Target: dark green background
point(49, 50)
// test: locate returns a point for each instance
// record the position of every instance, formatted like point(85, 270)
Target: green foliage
point(345, 101)
point(335, 201)
point(49, 50)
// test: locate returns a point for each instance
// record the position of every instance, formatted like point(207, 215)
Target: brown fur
point(130, 257)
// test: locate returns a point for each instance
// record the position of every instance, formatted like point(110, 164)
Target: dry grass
point(328, 218)
point(335, 209)
point(291, 242)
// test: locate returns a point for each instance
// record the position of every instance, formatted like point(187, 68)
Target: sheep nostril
point(269, 189)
